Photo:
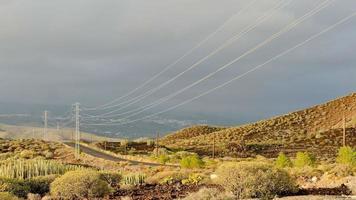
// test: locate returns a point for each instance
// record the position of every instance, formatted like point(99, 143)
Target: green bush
point(193, 179)
point(7, 196)
point(192, 161)
point(254, 180)
point(304, 159)
point(283, 161)
point(28, 154)
point(346, 155)
point(20, 188)
point(112, 178)
point(17, 187)
point(80, 184)
point(163, 158)
point(41, 184)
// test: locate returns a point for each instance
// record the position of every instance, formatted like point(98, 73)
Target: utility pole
point(344, 131)
point(214, 145)
point(157, 143)
point(45, 118)
point(33, 133)
point(77, 131)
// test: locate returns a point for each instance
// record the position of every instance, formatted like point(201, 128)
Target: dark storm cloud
point(62, 51)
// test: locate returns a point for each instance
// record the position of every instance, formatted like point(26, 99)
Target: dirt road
point(106, 156)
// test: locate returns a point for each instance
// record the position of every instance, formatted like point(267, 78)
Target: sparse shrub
point(183, 154)
point(37, 185)
point(166, 177)
point(167, 180)
point(41, 184)
point(160, 151)
point(343, 170)
point(347, 156)
point(14, 186)
point(254, 180)
point(163, 158)
point(193, 179)
point(304, 159)
point(48, 155)
point(7, 196)
point(306, 172)
point(192, 161)
point(283, 161)
point(28, 154)
point(112, 178)
point(134, 179)
point(80, 184)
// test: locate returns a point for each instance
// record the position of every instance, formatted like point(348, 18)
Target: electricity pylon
point(77, 130)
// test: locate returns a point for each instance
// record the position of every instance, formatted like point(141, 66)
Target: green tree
point(304, 159)
point(283, 161)
point(192, 161)
point(346, 155)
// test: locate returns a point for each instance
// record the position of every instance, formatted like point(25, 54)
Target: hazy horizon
point(61, 52)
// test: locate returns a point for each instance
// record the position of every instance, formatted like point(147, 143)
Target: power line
point(260, 45)
point(244, 74)
point(246, 30)
point(217, 50)
point(201, 43)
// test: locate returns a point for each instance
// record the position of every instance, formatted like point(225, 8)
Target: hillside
point(189, 132)
point(27, 132)
point(318, 129)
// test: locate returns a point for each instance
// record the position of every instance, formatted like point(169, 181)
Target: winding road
point(105, 156)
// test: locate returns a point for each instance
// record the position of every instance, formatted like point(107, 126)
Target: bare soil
point(178, 190)
point(156, 191)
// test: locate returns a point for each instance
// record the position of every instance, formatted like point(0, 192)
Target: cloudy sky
point(91, 51)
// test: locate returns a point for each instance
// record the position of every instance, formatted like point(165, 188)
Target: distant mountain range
point(31, 115)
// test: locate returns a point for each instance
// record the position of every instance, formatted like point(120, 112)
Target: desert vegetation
point(258, 167)
point(194, 176)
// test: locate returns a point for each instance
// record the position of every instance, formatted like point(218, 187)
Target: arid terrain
point(301, 154)
point(318, 129)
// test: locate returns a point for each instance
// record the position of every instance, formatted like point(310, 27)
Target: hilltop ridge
point(318, 129)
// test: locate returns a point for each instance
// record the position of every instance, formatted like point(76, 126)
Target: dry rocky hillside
point(318, 129)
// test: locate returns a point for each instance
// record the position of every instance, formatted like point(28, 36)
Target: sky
point(92, 51)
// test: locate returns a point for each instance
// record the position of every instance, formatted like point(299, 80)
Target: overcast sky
point(91, 51)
